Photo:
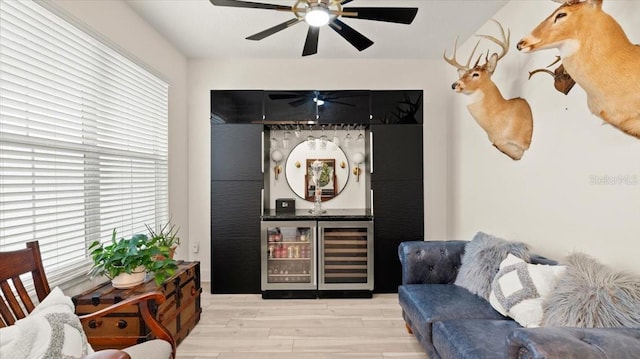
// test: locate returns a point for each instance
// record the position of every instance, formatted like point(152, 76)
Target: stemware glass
point(323, 140)
point(285, 139)
point(335, 140)
point(297, 131)
point(311, 141)
point(347, 138)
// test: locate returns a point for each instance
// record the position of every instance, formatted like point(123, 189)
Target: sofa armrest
point(430, 262)
point(573, 343)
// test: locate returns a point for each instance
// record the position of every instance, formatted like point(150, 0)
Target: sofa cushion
point(472, 338)
point(481, 261)
point(592, 295)
point(428, 303)
point(519, 289)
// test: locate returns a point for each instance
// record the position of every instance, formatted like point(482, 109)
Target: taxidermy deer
point(598, 55)
point(508, 123)
point(562, 81)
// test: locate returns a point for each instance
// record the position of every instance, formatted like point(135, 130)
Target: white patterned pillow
point(519, 289)
point(51, 331)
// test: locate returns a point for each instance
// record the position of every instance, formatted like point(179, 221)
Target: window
point(83, 140)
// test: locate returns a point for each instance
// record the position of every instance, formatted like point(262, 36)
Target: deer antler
point(504, 43)
point(453, 62)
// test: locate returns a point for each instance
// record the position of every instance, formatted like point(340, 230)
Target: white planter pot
point(126, 280)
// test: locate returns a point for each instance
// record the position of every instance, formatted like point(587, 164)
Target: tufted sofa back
point(432, 262)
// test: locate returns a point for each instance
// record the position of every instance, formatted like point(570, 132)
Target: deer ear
point(596, 3)
point(492, 63)
point(461, 72)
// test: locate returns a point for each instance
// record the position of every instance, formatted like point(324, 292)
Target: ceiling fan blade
point(300, 102)
point(345, 2)
point(283, 96)
point(254, 5)
point(402, 15)
point(272, 30)
point(355, 38)
point(311, 43)
point(340, 103)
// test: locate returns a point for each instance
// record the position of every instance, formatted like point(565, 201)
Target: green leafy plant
point(126, 254)
point(166, 236)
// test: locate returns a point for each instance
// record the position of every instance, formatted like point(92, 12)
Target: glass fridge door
point(288, 255)
point(345, 255)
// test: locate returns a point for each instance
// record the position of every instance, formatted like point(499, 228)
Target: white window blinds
point(83, 140)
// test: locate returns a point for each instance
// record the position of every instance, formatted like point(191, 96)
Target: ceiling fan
point(318, 13)
point(299, 98)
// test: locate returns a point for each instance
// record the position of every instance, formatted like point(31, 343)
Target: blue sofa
point(451, 322)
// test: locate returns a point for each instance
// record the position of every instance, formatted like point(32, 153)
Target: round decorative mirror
point(334, 174)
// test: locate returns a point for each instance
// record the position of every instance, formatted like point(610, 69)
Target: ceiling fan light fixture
point(317, 16)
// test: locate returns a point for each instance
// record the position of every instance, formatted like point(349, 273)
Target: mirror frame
point(310, 187)
point(294, 165)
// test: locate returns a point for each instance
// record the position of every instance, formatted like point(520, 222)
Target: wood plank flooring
point(249, 327)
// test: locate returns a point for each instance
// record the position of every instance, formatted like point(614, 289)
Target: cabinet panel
point(396, 107)
point(345, 106)
point(397, 152)
point(289, 106)
point(236, 106)
point(235, 236)
point(236, 152)
point(399, 211)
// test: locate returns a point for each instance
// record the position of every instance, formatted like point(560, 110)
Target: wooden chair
point(14, 307)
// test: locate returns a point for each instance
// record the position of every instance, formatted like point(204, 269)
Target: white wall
point(208, 74)
point(115, 21)
point(550, 199)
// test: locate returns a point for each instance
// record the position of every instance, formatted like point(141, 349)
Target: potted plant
point(122, 258)
point(166, 237)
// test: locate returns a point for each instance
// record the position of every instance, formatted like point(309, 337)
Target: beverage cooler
point(288, 255)
point(305, 259)
point(345, 255)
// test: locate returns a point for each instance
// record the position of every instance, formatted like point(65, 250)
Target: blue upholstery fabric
point(425, 304)
point(574, 343)
point(472, 338)
point(451, 322)
point(430, 262)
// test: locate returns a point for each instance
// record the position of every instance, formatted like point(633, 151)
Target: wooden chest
point(179, 313)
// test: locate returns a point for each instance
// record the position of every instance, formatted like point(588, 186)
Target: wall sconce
point(357, 159)
point(276, 156)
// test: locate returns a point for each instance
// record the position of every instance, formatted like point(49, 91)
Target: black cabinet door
point(235, 236)
point(289, 106)
point(399, 216)
point(397, 152)
point(396, 107)
point(398, 198)
point(344, 106)
point(236, 106)
point(236, 152)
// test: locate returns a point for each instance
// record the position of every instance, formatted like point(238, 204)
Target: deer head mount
point(562, 81)
point(508, 123)
point(597, 54)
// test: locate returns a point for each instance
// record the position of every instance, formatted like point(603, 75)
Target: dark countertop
point(330, 214)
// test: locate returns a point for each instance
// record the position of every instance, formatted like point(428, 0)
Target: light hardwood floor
point(246, 326)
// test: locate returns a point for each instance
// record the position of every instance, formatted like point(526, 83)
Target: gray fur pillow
point(481, 261)
point(592, 295)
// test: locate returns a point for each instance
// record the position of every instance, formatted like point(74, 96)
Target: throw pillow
point(519, 288)
point(51, 331)
point(592, 295)
point(481, 261)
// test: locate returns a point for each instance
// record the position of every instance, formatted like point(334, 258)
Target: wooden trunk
point(179, 313)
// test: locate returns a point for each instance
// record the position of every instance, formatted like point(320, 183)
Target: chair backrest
point(15, 302)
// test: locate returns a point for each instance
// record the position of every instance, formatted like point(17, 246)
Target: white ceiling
point(201, 30)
